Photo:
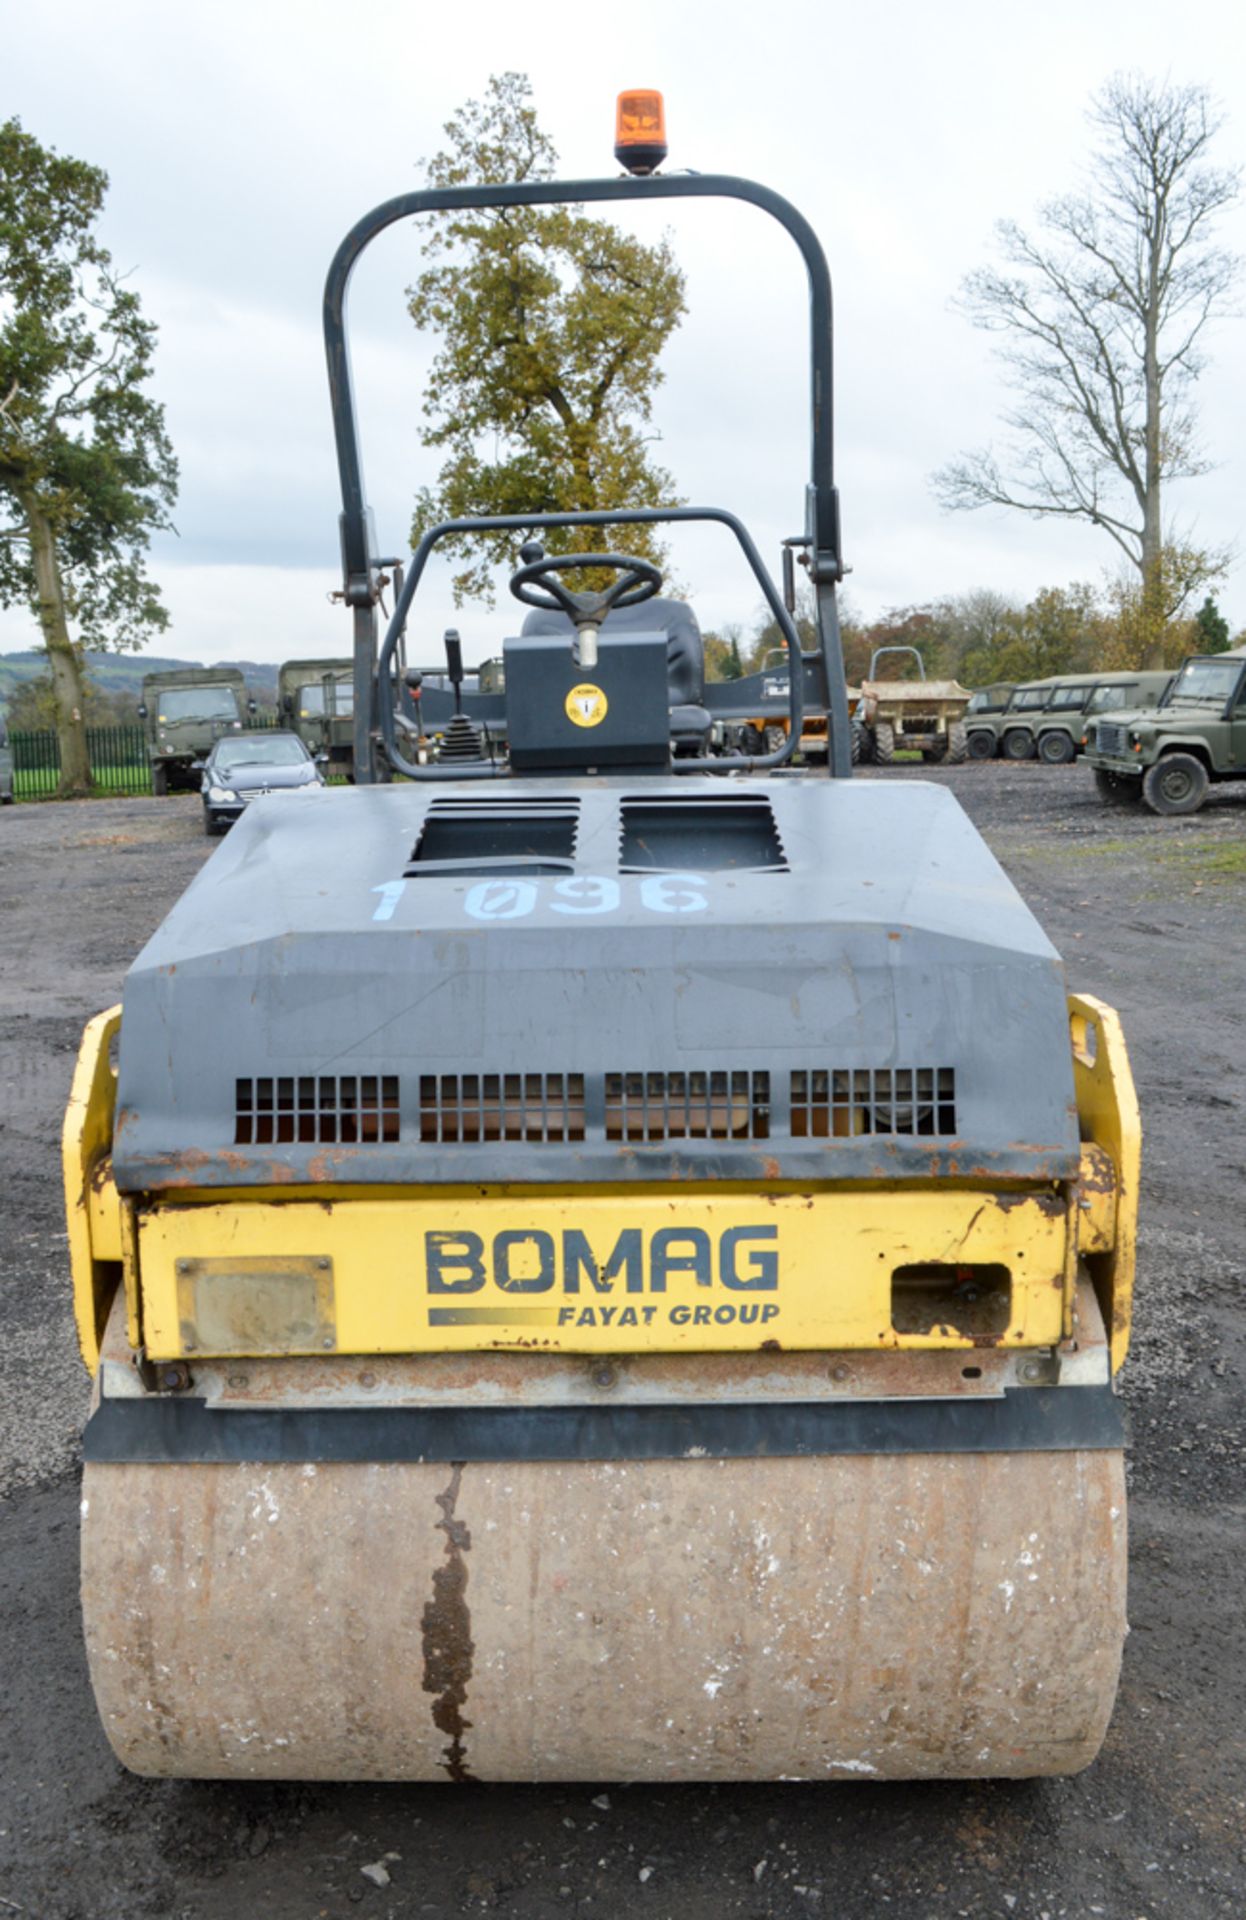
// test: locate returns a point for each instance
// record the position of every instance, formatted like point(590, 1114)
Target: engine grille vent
point(467, 1108)
point(496, 836)
point(1109, 737)
point(354, 1109)
point(714, 1105)
point(835, 1103)
point(676, 834)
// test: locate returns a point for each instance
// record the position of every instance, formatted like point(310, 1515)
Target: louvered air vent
point(838, 1102)
point(673, 833)
point(715, 1105)
point(469, 1108)
point(353, 1109)
point(496, 836)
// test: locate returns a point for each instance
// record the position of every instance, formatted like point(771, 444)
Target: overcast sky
point(242, 141)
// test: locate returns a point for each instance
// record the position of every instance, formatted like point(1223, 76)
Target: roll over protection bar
point(822, 530)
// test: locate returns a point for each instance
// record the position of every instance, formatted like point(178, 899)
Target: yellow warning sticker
point(586, 705)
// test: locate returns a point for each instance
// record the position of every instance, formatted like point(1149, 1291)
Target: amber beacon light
point(640, 131)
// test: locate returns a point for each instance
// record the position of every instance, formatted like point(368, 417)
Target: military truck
point(986, 727)
point(981, 741)
point(184, 711)
point(1045, 719)
point(1170, 754)
point(317, 701)
point(1118, 693)
point(1059, 728)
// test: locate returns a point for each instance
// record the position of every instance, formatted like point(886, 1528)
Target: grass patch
point(1212, 863)
point(1195, 858)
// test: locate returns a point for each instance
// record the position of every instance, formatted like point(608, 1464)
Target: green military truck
point(987, 702)
point(1046, 719)
point(1170, 754)
point(184, 711)
point(986, 727)
point(317, 701)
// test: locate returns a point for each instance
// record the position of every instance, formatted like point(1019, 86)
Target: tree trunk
point(1153, 610)
point(67, 690)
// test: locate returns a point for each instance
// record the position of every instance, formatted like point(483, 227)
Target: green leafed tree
point(86, 468)
point(723, 659)
point(1213, 628)
point(552, 327)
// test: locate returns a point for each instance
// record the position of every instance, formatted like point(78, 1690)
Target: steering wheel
point(536, 585)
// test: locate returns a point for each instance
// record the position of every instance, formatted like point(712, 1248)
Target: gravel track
point(1149, 914)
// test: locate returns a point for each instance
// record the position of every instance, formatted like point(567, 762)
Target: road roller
point(601, 1259)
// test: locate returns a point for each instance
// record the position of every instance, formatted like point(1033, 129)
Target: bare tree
point(1099, 321)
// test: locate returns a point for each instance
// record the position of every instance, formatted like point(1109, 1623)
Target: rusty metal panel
point(241, 1304)
point(627, 1270)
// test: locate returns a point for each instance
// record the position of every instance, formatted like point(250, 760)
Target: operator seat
point(685, 658)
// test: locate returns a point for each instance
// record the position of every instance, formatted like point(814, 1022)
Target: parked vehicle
point(760, 722)
point(316, 699)
point(1059, 729)
point(986, 725)
point(1046, 719)
point(1134, 692)
point(184, 711)
point(892, 715)
point(242, 766)
point(1170, 754)
point(981, 738)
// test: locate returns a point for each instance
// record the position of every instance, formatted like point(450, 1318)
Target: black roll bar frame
point(822, 526)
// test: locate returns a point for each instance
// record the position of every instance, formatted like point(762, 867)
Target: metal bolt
point(604, 1376)
point(327, 1342)
point(189, 1345)
point(1032, 1370)
point(840, 1372)
point(324, 1265)
point(237, 1380)
point(367, 1379)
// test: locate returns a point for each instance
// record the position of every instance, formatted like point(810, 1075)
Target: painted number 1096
point(579, 894)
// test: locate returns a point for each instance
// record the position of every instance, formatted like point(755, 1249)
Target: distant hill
point(115, 673)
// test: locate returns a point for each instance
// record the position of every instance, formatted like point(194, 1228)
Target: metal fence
point(118, 756)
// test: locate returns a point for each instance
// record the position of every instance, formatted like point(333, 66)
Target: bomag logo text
point(569, 1273)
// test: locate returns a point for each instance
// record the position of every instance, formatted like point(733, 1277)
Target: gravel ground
point(1149, 915)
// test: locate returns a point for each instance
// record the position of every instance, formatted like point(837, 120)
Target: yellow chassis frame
point(590, 1270)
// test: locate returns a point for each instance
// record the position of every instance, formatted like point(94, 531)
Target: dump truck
point(316, 699)
point(572, 1290)
point(1171, 755)
point(184, 711)
point(923, 715)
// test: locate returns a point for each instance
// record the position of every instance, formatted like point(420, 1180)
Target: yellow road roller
point(601, 1258)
